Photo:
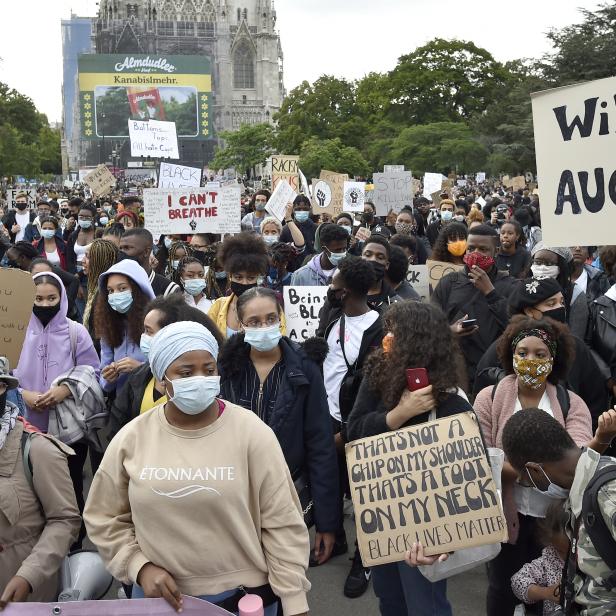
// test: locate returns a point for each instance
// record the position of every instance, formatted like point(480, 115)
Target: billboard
point(116, 88)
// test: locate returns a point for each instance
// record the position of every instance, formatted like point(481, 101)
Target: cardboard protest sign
point(574, 143)
point(321, 196)
point(153, 138)
point(178, 176)
point(431, 483)
point(518, 183)
point(419, 278)
point(301, 310)
point(16, 301)
point(100, 181)
point(438, 270)
point(285, 168)
point(354, 196)
point(188, 211)
point(11, 193)
point(392, 191)
point(435, 197)
point(393, 168)
point(277, 203)
point(336, 182)
point(432, 183)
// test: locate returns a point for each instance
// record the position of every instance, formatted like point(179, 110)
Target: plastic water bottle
point(251, 605)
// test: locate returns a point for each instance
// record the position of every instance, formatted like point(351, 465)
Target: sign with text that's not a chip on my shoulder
point(575, 141)
point(392, 191)
point(430, 483)
point(188, 211)
point(301, 310)
point(154, 139)
point(178, 176)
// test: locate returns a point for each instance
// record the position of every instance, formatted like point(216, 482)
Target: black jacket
point(584, 379)
point(517, 264)
point(368, 417)
point(8, 220)
point(308, 230)
point(598, 283)
point(456, 295)
point(162, 286)
point(300, 420)
point(601, 334)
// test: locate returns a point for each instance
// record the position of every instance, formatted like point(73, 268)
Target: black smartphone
point(469, 323)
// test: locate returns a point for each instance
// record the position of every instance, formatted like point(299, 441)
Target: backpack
point(26, 441)
point(597, 530)
point(562, 395)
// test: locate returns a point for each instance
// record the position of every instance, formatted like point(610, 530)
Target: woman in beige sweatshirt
point(195, 497)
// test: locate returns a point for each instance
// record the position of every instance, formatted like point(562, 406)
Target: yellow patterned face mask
point(532, 372)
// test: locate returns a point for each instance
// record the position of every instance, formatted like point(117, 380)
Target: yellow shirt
point(148, 402)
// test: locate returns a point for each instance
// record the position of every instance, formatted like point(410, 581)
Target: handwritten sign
point(518, 182)
point(11, 194)
point(438, 270)
point(285, 168)
point(16, 301)
point(354, 196)
point(432, 183)
point(153, 138)
point(178, 176)
point(480, 178)
point(100, 181)
point(392, 191)
point(363, 234)
point(277, 203)
point(187, 211)
point(430, 483)
point(336, 182)
point(419, 278)
point(301, 310)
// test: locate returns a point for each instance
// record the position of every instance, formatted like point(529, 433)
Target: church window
point(165, 28)
point(245, 14)
point(186, 28)
point(243, 68)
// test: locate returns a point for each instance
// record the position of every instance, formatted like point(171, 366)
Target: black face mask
point(238, 288)
point(333, 299)
point(558, 314)
point(21, 206)
point(367, 217)
point(45, 313)
point(122, 256)
point(379, 270)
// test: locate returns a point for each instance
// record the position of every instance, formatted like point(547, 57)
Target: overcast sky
point(346, 38)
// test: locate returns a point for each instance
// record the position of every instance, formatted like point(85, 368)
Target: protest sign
point(430, 483)
point(336, 182)
point(574, 143)
point(277, 203)
point(354, 196)
point(435, 197)
point(480, 177)
point(136, 176)
point(432, 183)
point(100, 181)
point(438, 270)
point(363, 234)
point(304, 184)
point(188, 211)
point(301, 310)
point(481, 201)
point(16, 301)
point(518, 183)
point(419, 278)
point(392, 191)
point(461, 183)
point(393, 168)
point(11, 193)
point(178, 176)
point(191, 606)
point(285, 168)
point(153, 138)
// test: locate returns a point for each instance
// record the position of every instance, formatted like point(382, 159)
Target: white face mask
point(194, 394)
point(554, 490)
point(545, 271)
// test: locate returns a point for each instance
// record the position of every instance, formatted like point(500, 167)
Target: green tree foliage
point(331, 154)
point(246, 148)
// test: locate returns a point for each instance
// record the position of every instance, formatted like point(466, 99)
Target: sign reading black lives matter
point(575, 140)
point(430, 483)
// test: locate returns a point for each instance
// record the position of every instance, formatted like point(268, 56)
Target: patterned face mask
point(532, 372)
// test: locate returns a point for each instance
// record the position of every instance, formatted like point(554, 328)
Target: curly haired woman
point(418, 337)
point(450, 245)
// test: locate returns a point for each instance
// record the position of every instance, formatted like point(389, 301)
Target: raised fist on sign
point(321, 197)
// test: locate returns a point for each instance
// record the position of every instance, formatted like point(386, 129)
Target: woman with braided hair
point(177, 251)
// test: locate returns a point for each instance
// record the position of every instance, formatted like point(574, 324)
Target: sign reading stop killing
point(188, 211)
point(575, 140)
point(430, 483)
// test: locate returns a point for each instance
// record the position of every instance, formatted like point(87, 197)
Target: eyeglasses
point(257, 324)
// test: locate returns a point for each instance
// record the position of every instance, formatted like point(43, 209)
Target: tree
point(445, 81)
point(441, 146)
point(246, 148)
point(331, 154)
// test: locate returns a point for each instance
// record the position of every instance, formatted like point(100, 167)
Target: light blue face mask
point(554, 491)
point(220, 275)
point(144, 344)
point(270, 239)
point(194, 286)
point(48, 233)
point(263, 338)
point(347, 228)
point(194, 394)
point(446, 215)
point(121, 302)
point(103, 220)
point(336, 257)
point(175, 263)
point(84, 223)
point(168, 242)
point(302, 216)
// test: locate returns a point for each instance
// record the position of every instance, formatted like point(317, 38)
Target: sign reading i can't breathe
point(430, 483)
point(575, 139)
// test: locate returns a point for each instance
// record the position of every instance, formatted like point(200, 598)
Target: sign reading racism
point(430, 483)
point(301, 310)
point(285, 168)
point(187, 211)
point(575, 141)
point(392, 191)
point(11, 193)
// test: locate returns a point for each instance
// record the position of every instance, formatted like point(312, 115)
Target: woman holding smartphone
point(418, 353)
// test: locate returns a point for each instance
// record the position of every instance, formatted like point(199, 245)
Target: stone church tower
point(239, 36)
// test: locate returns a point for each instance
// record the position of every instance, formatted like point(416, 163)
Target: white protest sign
point(481, 201)
point(392, 191)
point(393, 168)
point(304, 184)
point(461, 183)
point(153, 138)
point(178, 176)
point(101, 180)
point(11, 193)
point(432, 182)
point(277, 203)
point(354, 196)
point(188, 211)
point(480, 177)
point(419, 278)
point(301, 310)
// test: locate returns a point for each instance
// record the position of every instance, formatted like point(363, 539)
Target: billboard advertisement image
point(116, 88)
